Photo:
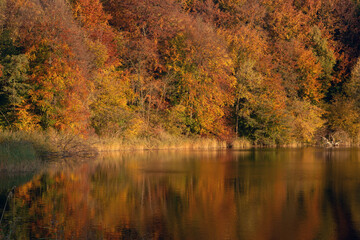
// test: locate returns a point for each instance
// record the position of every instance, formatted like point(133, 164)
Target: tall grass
point(115, 144)
point(165, 142)
point(240, 143)
point(39, 140)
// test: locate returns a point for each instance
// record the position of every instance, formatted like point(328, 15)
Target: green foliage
point(344, 116)
point(352, 87)
point(344, 112)
point(325, 56)
point(13, 86)
point(264, 122)
point(7, 45)
point(14, 78)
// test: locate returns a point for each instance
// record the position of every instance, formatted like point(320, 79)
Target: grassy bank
point(25, 151)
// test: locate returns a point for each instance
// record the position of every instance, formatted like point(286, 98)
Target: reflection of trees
point(288, 194)
point(271, 201)
point(341, 195)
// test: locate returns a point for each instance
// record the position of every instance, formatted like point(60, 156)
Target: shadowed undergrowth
point(27, 151)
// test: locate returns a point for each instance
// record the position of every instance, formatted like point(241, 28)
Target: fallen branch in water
point(331, 142)
point(11, 193)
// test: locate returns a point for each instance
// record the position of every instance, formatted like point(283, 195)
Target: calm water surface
point(258, 194)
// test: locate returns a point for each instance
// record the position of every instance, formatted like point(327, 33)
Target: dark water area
point(257, 194)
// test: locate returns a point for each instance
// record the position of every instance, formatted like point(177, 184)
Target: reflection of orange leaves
point(60, 178)
point(117, 199)
point(24, 191)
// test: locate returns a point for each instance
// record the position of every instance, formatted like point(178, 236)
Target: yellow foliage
point(307, 119)
point(136, 127)
point(100, 52)
point(25, 120)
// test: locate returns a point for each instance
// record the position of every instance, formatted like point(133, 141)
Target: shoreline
point(22, 151)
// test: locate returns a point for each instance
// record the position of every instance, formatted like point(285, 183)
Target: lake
point(309, 193)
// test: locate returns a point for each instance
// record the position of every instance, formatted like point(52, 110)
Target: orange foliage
point(284, 21)
point(195, 66)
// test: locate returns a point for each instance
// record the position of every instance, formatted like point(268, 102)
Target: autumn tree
point(203, 78)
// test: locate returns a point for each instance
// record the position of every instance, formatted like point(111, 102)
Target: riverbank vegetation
point(272, 72)
point(31, 151)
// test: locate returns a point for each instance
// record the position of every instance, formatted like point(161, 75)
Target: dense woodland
point(272, 71)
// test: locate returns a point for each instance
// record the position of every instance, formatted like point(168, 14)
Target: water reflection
point(262, 194)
